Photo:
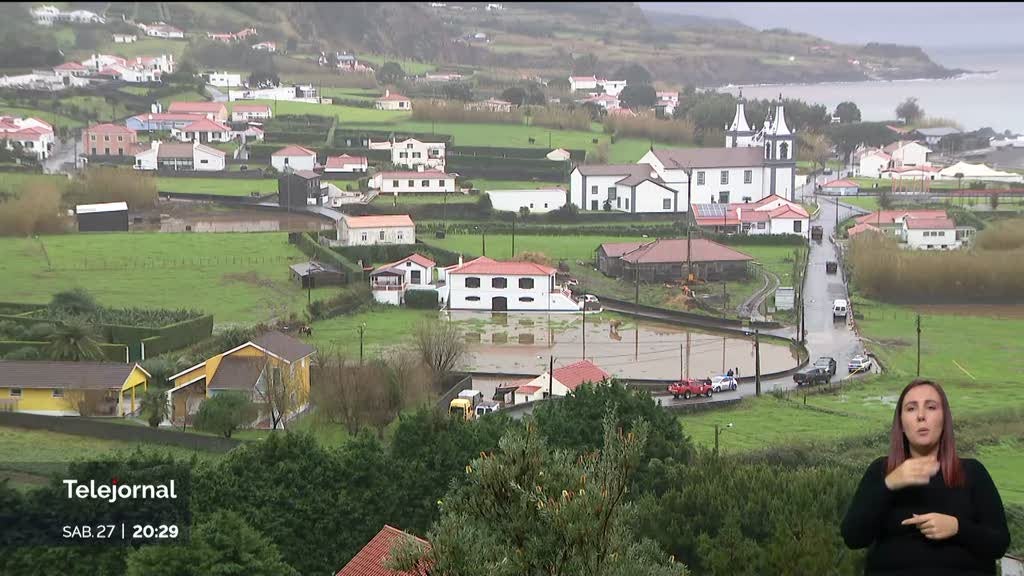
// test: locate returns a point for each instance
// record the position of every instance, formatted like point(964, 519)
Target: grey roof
point(291, 349)
point(173, 150)
point(237, 373)
point(307, 268)
point(937, 131)
point(306, 174)
point(677, 158)
point(632, 174)
point(616, 249)
point(73, 375)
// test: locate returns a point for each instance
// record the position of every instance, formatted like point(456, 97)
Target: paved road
point(216, 95)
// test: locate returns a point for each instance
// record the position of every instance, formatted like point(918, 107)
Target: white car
point(860, 364)
point(719, 383)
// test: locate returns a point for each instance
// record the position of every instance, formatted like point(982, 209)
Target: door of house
point(499, 304)
point(415, 277)
point(593, 205)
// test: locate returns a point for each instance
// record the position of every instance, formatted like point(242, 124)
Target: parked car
point(816, 233)
point(812, 376)
point(719, 383)
point(831, 267)
point(839, 309)
point(688, 387)
point(860, 364)
point(828, 363)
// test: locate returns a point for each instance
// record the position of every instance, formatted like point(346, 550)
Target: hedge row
point(503, 152)
point(393, 252)
point(301, 138)
point(519, 163)
point(180, 335)
point(656, 231)
point(311, 248)
point(381, 135)
point(111, 352)
point(300, 120)
point(423, 299)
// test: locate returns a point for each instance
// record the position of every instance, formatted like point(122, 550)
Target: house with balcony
point(486, 284)
point(390, 282)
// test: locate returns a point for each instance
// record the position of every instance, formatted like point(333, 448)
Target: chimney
point(387, 92)
point(460, 259)
point(739, 214)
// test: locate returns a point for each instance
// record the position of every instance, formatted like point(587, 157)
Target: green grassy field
point(187, 96)
point(12, 182)
point(219, 186)
point(866, 202)
point(144, 46)
point(499, 246)
point(56, 120)
point(241, 278)
point(350, 115)
point(385, 327)
point(366, 94)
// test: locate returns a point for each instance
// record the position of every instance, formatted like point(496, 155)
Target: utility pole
point(636, 317)
point(689, 222)
point(716, 440)
point(584, 323)
point(687, 353)
point(918, 345)
point(551, 377)
point(723, 354)
point(483, 240)
point(681, 362)
point(513, 235)
point(362, 328)
point(757, 361)
point(723, 299)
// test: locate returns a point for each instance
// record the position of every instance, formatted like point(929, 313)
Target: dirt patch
point(246, 278)
point(892, 342)
point(1015, 312)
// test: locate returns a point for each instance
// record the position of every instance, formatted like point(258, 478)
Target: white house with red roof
point(373, 230)
point(486, 284)
point(186, 156)
point(73, 69)
point(346, 163)
point(295, 157)
point(203, 130)
point(250, 112)
point(216, 111)
point(109, 140)
point(410, 182)
point(918, 229)
point(582, 83)
point(411, 153)
point(908, 153)
point(371, 559)
point(389, 282)
point(562, 382)
point(34, 135)
point(394, 101)
point(162, 30)
point(770, 215)
point(606, 101)
point(871, 162)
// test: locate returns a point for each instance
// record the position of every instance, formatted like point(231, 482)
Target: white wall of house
point(348, 167)
point(788, 226)
point(537, 201)
point(207, 162)
point(546, 383)
point(247, 116)
point(185, 136)
point(393, 105)
point(582, 84)
point(648, 197)
point(539, 297)
point(392, 297)
point(410, 184)
point(425, 279)
point(40, 147)
point(224, 79)
point(294, 162)
point(871, 166)
point(598, 189)
point(932, 239)
point(912, 154)
point(412, 153)
point(614, 87)
point(372, 236)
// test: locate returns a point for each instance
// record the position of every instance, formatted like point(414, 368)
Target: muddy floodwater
point(176, 216)
point(523, 343)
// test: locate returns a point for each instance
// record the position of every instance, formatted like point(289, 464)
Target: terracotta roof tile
point(71, 375)
point(485, 265)
point(378, 221)
point(674, 250)
point(294, 150)
point(573, 375)
point(370, 560)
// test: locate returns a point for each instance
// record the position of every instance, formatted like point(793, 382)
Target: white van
point(840, 308)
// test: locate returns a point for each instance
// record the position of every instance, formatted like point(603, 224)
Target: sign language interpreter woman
point(923, 510)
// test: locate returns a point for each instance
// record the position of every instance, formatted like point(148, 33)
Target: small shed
point(314, 274)
point(841, 188)
point(108, 217)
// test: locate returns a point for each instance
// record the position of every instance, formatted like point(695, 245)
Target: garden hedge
point(422, 299)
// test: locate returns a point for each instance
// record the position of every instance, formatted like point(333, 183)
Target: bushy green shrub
point(422, 299)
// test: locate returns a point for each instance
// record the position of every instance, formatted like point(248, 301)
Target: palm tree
point(73, 340)
point(155, 408)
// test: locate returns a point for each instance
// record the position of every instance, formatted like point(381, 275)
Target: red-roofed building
point(389, 282)
point(249, 112)
point(109, 140)
point(71, 69)
point(918, 229)
point(666, 260)
point(769, 215)
point(216, 111)
point(34, 135)
point(861, 228)
point(486, 284)
point(565, 380)
point(371, 559)
point(395, 101)
point(346, 163)
point(411, 182)
point(203, 130)
point(373, 230)
point(294, 157)
point(840, 188)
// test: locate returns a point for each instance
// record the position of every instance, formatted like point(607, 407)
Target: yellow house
point(244, 369)
point(71, 388)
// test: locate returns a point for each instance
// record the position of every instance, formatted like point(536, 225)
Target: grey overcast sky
point(926, 24)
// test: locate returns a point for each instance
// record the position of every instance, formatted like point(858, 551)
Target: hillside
point(547, 39)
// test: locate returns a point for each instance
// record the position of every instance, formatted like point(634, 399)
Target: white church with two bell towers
point(751, 166)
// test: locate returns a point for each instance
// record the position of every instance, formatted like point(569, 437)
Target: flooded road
point(177, 216)
point(523, 343)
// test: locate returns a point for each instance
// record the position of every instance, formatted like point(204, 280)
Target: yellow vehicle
point(466, 403)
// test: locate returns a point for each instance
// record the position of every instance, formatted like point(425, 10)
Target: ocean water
point(991, 99)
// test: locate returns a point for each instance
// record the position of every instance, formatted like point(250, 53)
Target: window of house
point(394, 183)
point(106, 138)
point(499, 282)
point(700, 178)
point(381, 234)
point(593, 189)
point(618, 202)
point(723, 197)
point(425, 183)
point(92, 137)
point(58, 392)
point(783, 151)
point(403, 154)
point(526, 299)
point(285, 161)
point(120, 138)
point(760, 226)
point(748, 176)
point(416, 154)
point(412, 183)
point(105, 150)
point(399, 234)
point(725, 177)
point(408, 146)
point(611, 191)
point(15, 392)
point(472, 282)
point(472, 298)
point(627, 203)
point(797, 226)
point(531, 205)
point(666, 204)
point(204, 161)
point(364, 237)
point(545, 204)
point(526, 283)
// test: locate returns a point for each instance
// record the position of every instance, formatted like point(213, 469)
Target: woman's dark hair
point(899, 446)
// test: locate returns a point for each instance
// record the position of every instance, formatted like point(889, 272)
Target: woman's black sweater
point(876, 513)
